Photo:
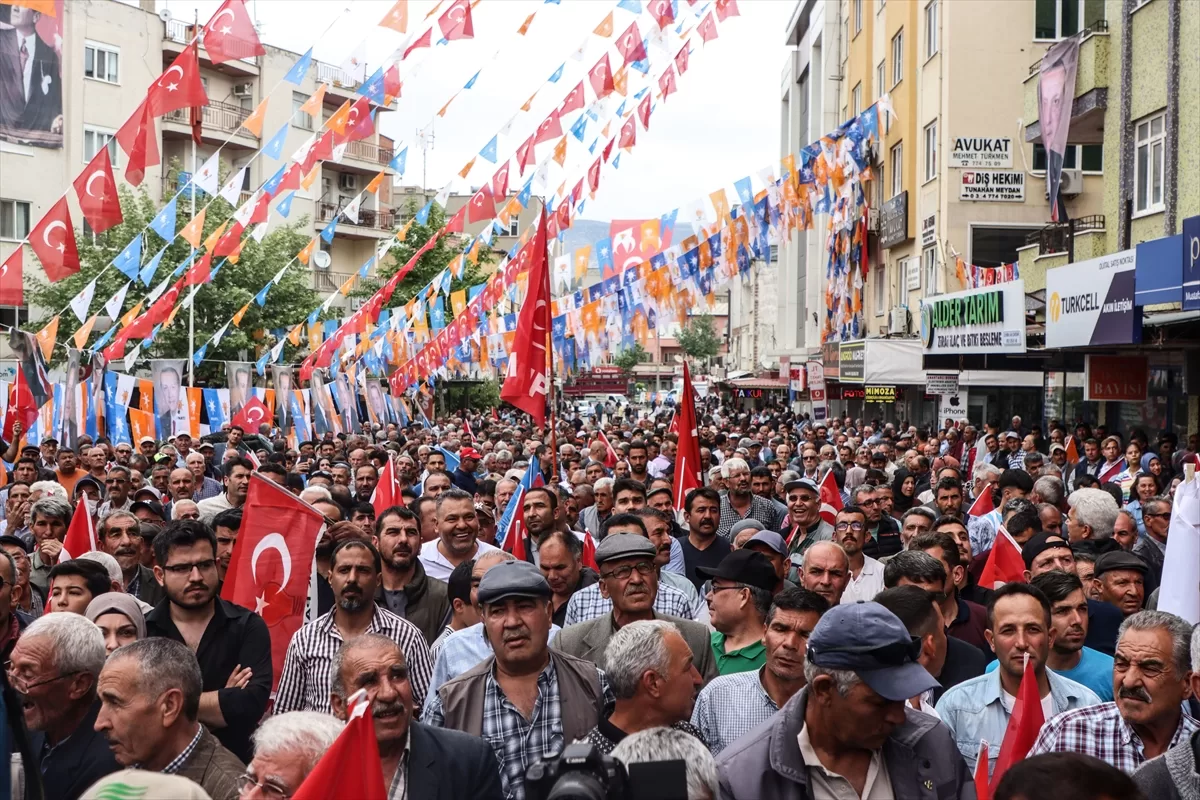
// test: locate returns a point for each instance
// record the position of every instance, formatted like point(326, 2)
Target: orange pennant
point(467, 169)
point(560, 151)
point(375, 183)
point(307, 181)
point(605, 28)
point(194, 230)
point(403, 234)
point(81, 335)
point(442, 111)
point(529, 102)
point(525, 25)
point(312, 106)
point(241, 312)
point(340, 119)
point(215, 236)
point(237, 252)
point(254, 122)
point(621, 81)
point(306, 253)
point(294, 335)
point(434, 10)
point(131, 315)
point(47, 336)
point(397, 18)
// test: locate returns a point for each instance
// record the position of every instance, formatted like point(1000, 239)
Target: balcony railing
point(176, 30)
point(327, 281)
point(379, 220)
point(224, 117)
point(336, 76)
point(1056, 238)
point(1098, 26)
point(365, 151)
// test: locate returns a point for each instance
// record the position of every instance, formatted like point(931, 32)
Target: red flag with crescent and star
point(180, 86)
point(351, 766)
point(97, 192)
point(252, 414)
point(687, 453)
point(526, 384)
point(271, 567)
point(456, 23)
point(387, 491)
point(12, 285)
point(53, 240)
point(81, 533)
point(831, 497)
point(230, 34)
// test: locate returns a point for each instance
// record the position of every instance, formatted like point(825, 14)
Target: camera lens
point(578, 786)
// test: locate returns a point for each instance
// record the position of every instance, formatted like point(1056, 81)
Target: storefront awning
point(894, 362)
point(758, 383)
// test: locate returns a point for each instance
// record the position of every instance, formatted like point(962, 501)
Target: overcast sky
point(721, 125)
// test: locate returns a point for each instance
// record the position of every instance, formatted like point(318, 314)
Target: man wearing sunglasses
point(1152, 548)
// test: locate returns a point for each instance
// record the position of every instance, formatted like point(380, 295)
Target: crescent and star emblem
point(226, 30)
point(87, 187)
point(462, 12)
point(272, 541)
point(170, 87)
point(46, 235)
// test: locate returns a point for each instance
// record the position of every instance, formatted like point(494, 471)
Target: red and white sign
point(816, 388)
point(1122, 378)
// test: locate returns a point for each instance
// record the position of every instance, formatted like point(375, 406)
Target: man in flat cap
point(1120, 579)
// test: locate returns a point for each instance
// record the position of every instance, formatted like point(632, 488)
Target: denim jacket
point(973, 711)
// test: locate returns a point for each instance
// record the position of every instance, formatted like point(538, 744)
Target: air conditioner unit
point(347, 182)
point(898, 320)
point(321, 260)
point(1072, 182)
point(243, 89)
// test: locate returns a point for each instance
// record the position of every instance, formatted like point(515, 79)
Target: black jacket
point(449, 765)
point(427, 603)
point(149, 590)
point(887, 543)
point(963, 662)
point(79, 761)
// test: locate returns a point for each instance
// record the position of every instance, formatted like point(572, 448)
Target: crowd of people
point(779, 647)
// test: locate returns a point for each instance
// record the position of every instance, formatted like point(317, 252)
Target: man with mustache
point(1151, 681)
point(526, 700)
point(866, 574)
point(121, 537)
point(404, 588)
point(354, 576)
point(418, 761)
point(1119, 580)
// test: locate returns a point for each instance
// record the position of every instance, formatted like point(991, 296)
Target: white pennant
point(131, 359)
point(207, 177)
point(351, 210)
point(81, 301)
point(158, 290)
point(116, 302)
point(243, 214)
point(339, 152)
point(216, 340)
point(260, 232)
point(233, 189)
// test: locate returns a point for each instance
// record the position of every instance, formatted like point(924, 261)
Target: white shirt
point(827, 785)
point(30, 43)
point(436, 565)
point(868, 583)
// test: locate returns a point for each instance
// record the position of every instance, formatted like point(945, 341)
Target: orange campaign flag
point(81, 336)
point(131, 315)
point(241, 312)
point(306, 253)
point(467, 169)
point(307, 181)
point(146, 399)
point(340, 119)
point(720, 204)
point(525, 25)
point(621, 81)
point(397, 18)
point(605, 28)
point(529, 102)
point(194, 230)
point(195, 398)
point(373, 186)
point(46, 338)
point(254, 122)
point(560, 152)
point(215, 236)
point(312, 106)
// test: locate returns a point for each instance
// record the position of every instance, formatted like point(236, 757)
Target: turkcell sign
point(1092, 302)
point(990, 320)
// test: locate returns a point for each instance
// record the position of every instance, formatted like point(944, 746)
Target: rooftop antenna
point(427, 138)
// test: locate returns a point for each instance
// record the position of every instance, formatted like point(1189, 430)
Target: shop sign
point(893, 221)
point(929, 231)
point(1120, 378)
point(853, 362)
point(1159, 274)
point(853, 394)
point(953, 408)
point(992, 186)
point(879, 394)
point(1191, 264)
point(990, 320)
point(830, 360)
point(816, 388)
point(981, 152)
point(912, 274)
point(1091, 302)
point(796, 378)
point(941, 383)
point(751, 394)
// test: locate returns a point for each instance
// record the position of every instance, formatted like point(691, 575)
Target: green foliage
point(470, 396)
point(631, 356)
point(235, 285)
point(698, 338)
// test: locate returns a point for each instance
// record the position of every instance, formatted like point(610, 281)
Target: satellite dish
point(165, 15)
point(321, 259)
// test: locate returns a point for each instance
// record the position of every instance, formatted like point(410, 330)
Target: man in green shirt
point(738, 600)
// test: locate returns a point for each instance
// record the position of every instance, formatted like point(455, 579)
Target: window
point(300, 119)
point(514, 227)
point(1057, 19)
point(1148, 164)
point(101, 62)
point(14, 219)
point(11, 317)
point(931, 154)
point(897, 57)
point(880, 284)
point(858, 14)
point(930, 263)
point(94, 139)
point(931, 28)
point(1088, 157)
point(880, 89)
point(897, 166)
point(856, 100)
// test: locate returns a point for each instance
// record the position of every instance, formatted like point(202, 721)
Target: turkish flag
point(351, 767)
point(482, 205)
point(361, 125)
point(252, 414)
point(271, 568)
point(228, 243)
point(525, 154)
point(180, 86)
point(574, 100)
point(601, 77)
point(141, 145)
point(551, 128)
point(593, 175)
point(1023, 725)
point(455, 23)
point(500, 181)
point(97, 192)
point(81, 534)
point(982, 790)
point(630, 44)
point(387, 491)
point(984, 504)
point(53, 240)
point(831, 498)
point(425, 40)
point(589, 551)
point(12, 287)
point(687, 453)
point(643, 111)
point(608, 150)
point(1072, 450)
point(662, 12)
point(681, 59)
point(610, 455)
point(666, 84)
point(200, 272)
point(708, 28)
point(230, 34)
point(727, 9)
point(527, 380)
point(628, 134)
point(21, 407)
point(1004, 562)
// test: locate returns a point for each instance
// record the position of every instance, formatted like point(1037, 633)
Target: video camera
point(581, 772)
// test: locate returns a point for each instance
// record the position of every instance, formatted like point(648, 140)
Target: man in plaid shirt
point(1150, 682)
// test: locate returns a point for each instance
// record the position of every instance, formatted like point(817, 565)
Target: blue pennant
point(164, 221)
point(366, 267)
point(130, 259)
point(198, 356)
point(147, 273)
point(557, 73)
point(397, 163)
point(275, 181)
point(327, 233)
point(579, 127)
point(471, 83)
point(744, 192)
point(631, 5)
point(489, 150)
point(372, 89)
point(274, 148)
point(617, 161)
point(296, 74)
point(260, 366)
point(261, 297)
point(422, 216)
point(285, 205)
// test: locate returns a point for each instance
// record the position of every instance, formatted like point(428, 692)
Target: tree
point(698, 338)
point(288, 302)
point(630, 357)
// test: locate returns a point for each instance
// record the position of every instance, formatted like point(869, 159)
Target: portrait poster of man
point(347, 400)
point(376, 405)
point(170, 402)
point(1056, 96)
point(67, 424)
point(31, 45)
point(281, 375)
point(322, 405)
point(32, 364)
point(238, 377)
point(97, 407)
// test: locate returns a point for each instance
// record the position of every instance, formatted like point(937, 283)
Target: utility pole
point(192, 215)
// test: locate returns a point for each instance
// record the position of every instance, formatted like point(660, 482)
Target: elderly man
point(150, 702)
point(653, 676)
point(1125, 530)
point(865, 573)
point(594, 516)
point(804, 515)
point(120, 537)
point(1176, 774)
point(1151, 681)
point(206, 487)
point(739, 502)
point(525, 686)
point(732, 705)
point(55, 666)
point(48, 520)
point(286, 748)
point(458, 535)
point(739, 598)
point(1019, 628)
point(560, 560)
point(1119, 579)
point(1152, 548)
point(849, 726)
point(826, 571)
point(117, 484)
point(417, 760)
point(1092, 515)
point(629, 580)
point(404, 588)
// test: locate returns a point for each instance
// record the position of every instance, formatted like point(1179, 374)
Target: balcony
point(371, 224)
point(1091, 89)
point(373, 154)
point(222, 123)
point(178, 34)
point(1056, 238)
point(327, 281)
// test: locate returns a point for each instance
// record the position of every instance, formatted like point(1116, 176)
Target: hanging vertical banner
point(1056, 96)
point(170, 403)
point(816, 389)
point(322, 406)
point(238, 377)
point(377, 410)
point(32, 40)
point(32, 364)
point(347, 401)
point(68, 421)
point(282, 376)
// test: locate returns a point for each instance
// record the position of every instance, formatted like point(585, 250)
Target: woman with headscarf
point(119, 618)
point(904, 492)
point(1152, 465)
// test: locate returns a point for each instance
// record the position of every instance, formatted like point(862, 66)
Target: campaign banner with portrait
point(347, 402)
point(66, 425)
point(281, 376)
point(239, 377)
point(32, 363)
point(324, 417)
point(1056, 97)
point(377, 405)
point(31, 91)
point(170, 402)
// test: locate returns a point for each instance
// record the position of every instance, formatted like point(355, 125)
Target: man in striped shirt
point(354, 575)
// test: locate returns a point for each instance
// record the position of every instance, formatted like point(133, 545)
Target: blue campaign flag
point(327, 233)
point(198, 356)
point(260, 366)
point(604, 256)
point(372, 88)
point(471, 83)
point(164, 221)
point(216, 413)
point(296, 74)
point(616, 161)
point(631, 5)
point(580, 126)
point(398, 162)
point(621, 109)
point(452, 460)
point(274, 147)
point(744, 192)
point(666, 223)
point(531, 478)
point(557, 73)
point(422, 216)
point(525, 193)
point(437, 314)
point(103, 340)
point(285, 205)
point(640, 94)
point(362, 273)
point(273, 183)
point(261, 297)
point(489, 151)
point(592, 146)
point(119, 427)
point(129, 261)
point(298, 417)
point(147, 273)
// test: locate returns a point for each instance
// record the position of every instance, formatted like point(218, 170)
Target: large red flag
point(601, 77)
point(53, 240)
point(574, 101)
point(97, 192)
point(456, 22)
point(687, 453)
point(551, 128)
point(610, 455)
point(271, 568)
point(630, 44)
point(984, 504)
point(387, 491)
point(252, 414)
point(12, 274)
point(482, 205)
point(81, 534)
point(831, 497)
point(526, 383)
point(179, 86)
point(1023, 725)
point(1004, 562)
point(143, 148)
point(21, 407)
point(351, 767)
point(983, 791)
point(230, 34)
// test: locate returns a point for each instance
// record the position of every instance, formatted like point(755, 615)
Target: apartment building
point(112, 52)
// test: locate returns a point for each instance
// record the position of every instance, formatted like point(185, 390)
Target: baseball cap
point(801, 483)
point(744, 566)
point(205, 446)
point(470, 452)
point(771, 540)
point(1039, 544)
point(873, 643)
point(49, 440)
point(149, 490)
point(512, 579)
point(1119, 560)
point(146, 786)
point(151, 506)
point(14, 540)
point(145, 439)
point(1011, 435)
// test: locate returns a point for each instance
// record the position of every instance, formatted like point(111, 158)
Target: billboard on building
point(31, 92)
point(990, 320)
point(1091, 302)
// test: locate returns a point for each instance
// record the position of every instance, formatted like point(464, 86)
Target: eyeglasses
point(1164, 515)
point(19, 683)
point(186, 569)
point(842, 527)
point(713, 589)
point(621, 573)
point(246, 782)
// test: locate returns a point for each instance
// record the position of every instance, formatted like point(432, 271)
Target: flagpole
point(192, 259)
